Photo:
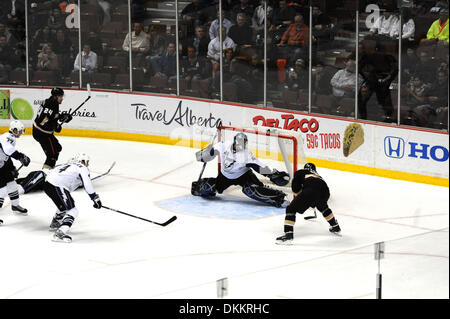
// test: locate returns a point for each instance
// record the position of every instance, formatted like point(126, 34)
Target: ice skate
point(286, 239)
point(336, 230)
point(59, 236)
point(19, 210)
point(54, 225)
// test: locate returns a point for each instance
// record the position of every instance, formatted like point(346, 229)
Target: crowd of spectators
point(54, 47)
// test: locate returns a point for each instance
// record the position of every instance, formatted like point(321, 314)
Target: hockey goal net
point(278, 148)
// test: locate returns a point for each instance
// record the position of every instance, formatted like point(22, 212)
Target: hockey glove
point(25, 160)
point(97, 202)
point(65, 117)
point(279, 178)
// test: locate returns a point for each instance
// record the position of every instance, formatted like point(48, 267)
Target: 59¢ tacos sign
point(352, 138)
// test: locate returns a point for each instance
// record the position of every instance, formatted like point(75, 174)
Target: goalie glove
point(279, 178)
point(207, 154)
point(96, 199)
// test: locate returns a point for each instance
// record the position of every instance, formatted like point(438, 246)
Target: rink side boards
point(319, 163)
point(385, 150)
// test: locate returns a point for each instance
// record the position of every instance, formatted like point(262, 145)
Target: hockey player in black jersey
point(310, 190)
point(49, 120)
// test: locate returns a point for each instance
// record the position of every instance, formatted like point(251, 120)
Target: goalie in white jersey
point(8, 172)
point(237, 163)
point(59, 183)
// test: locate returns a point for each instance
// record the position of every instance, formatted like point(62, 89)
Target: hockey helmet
point(81, 157)
point(240, 141)
point(310, 167)
point(16, 128)
point(57, 92)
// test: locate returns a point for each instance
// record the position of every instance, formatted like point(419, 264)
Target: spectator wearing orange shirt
point(297, 38)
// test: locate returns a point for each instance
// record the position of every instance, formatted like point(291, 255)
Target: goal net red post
point(278, 148)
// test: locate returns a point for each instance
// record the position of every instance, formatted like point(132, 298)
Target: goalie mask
point(16, 128)
point(240, 142)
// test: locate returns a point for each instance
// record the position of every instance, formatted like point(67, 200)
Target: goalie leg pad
point(204, 187)
point(264, 194)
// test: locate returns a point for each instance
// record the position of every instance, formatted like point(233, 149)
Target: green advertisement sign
point(18, 108)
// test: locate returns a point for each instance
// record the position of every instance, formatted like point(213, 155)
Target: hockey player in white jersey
point(8, 172)
point(59, 183)
point(237, 163)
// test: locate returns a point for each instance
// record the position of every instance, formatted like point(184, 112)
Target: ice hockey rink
point(232, 237)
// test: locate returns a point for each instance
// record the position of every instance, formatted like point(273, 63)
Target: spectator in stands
point(62, 46)
point(283, 16)
point(56, 20)
point(426, 66)
point(241, 33)
point(409, 63)
point(259, 16)
point(12, 12)
point(47, 59)
point(240, 70)
point(408, 29)
point(4, 31)
point(297, 38)
point(9, 61)
point(192, 15)
point(167, 66)
point(194, 67)
point(88, 62)
point(321, 27)
point(416, 91)
point(297, 77)
point(343, 82)
point(243, 7)
point(157, 41)
point(214, 46)
point(379, 70)
point(200, 42)
point(320, 80)
point(438, 92)
point(214, 28)
point(439, 29)
point(41, 37)
point(95, 42)
point(226, 64)
point(383, 26)
point(139, 41)
point(256, 76)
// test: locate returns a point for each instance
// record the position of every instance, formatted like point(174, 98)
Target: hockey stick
point(204, 164)
point(311, 217)
point(88, 86)
point(105, 173)
point(173, 218)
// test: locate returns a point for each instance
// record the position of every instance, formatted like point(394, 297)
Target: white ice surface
point(116, 256)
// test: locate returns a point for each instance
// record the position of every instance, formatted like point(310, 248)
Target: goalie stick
point(204, 164)
point(170, 220)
